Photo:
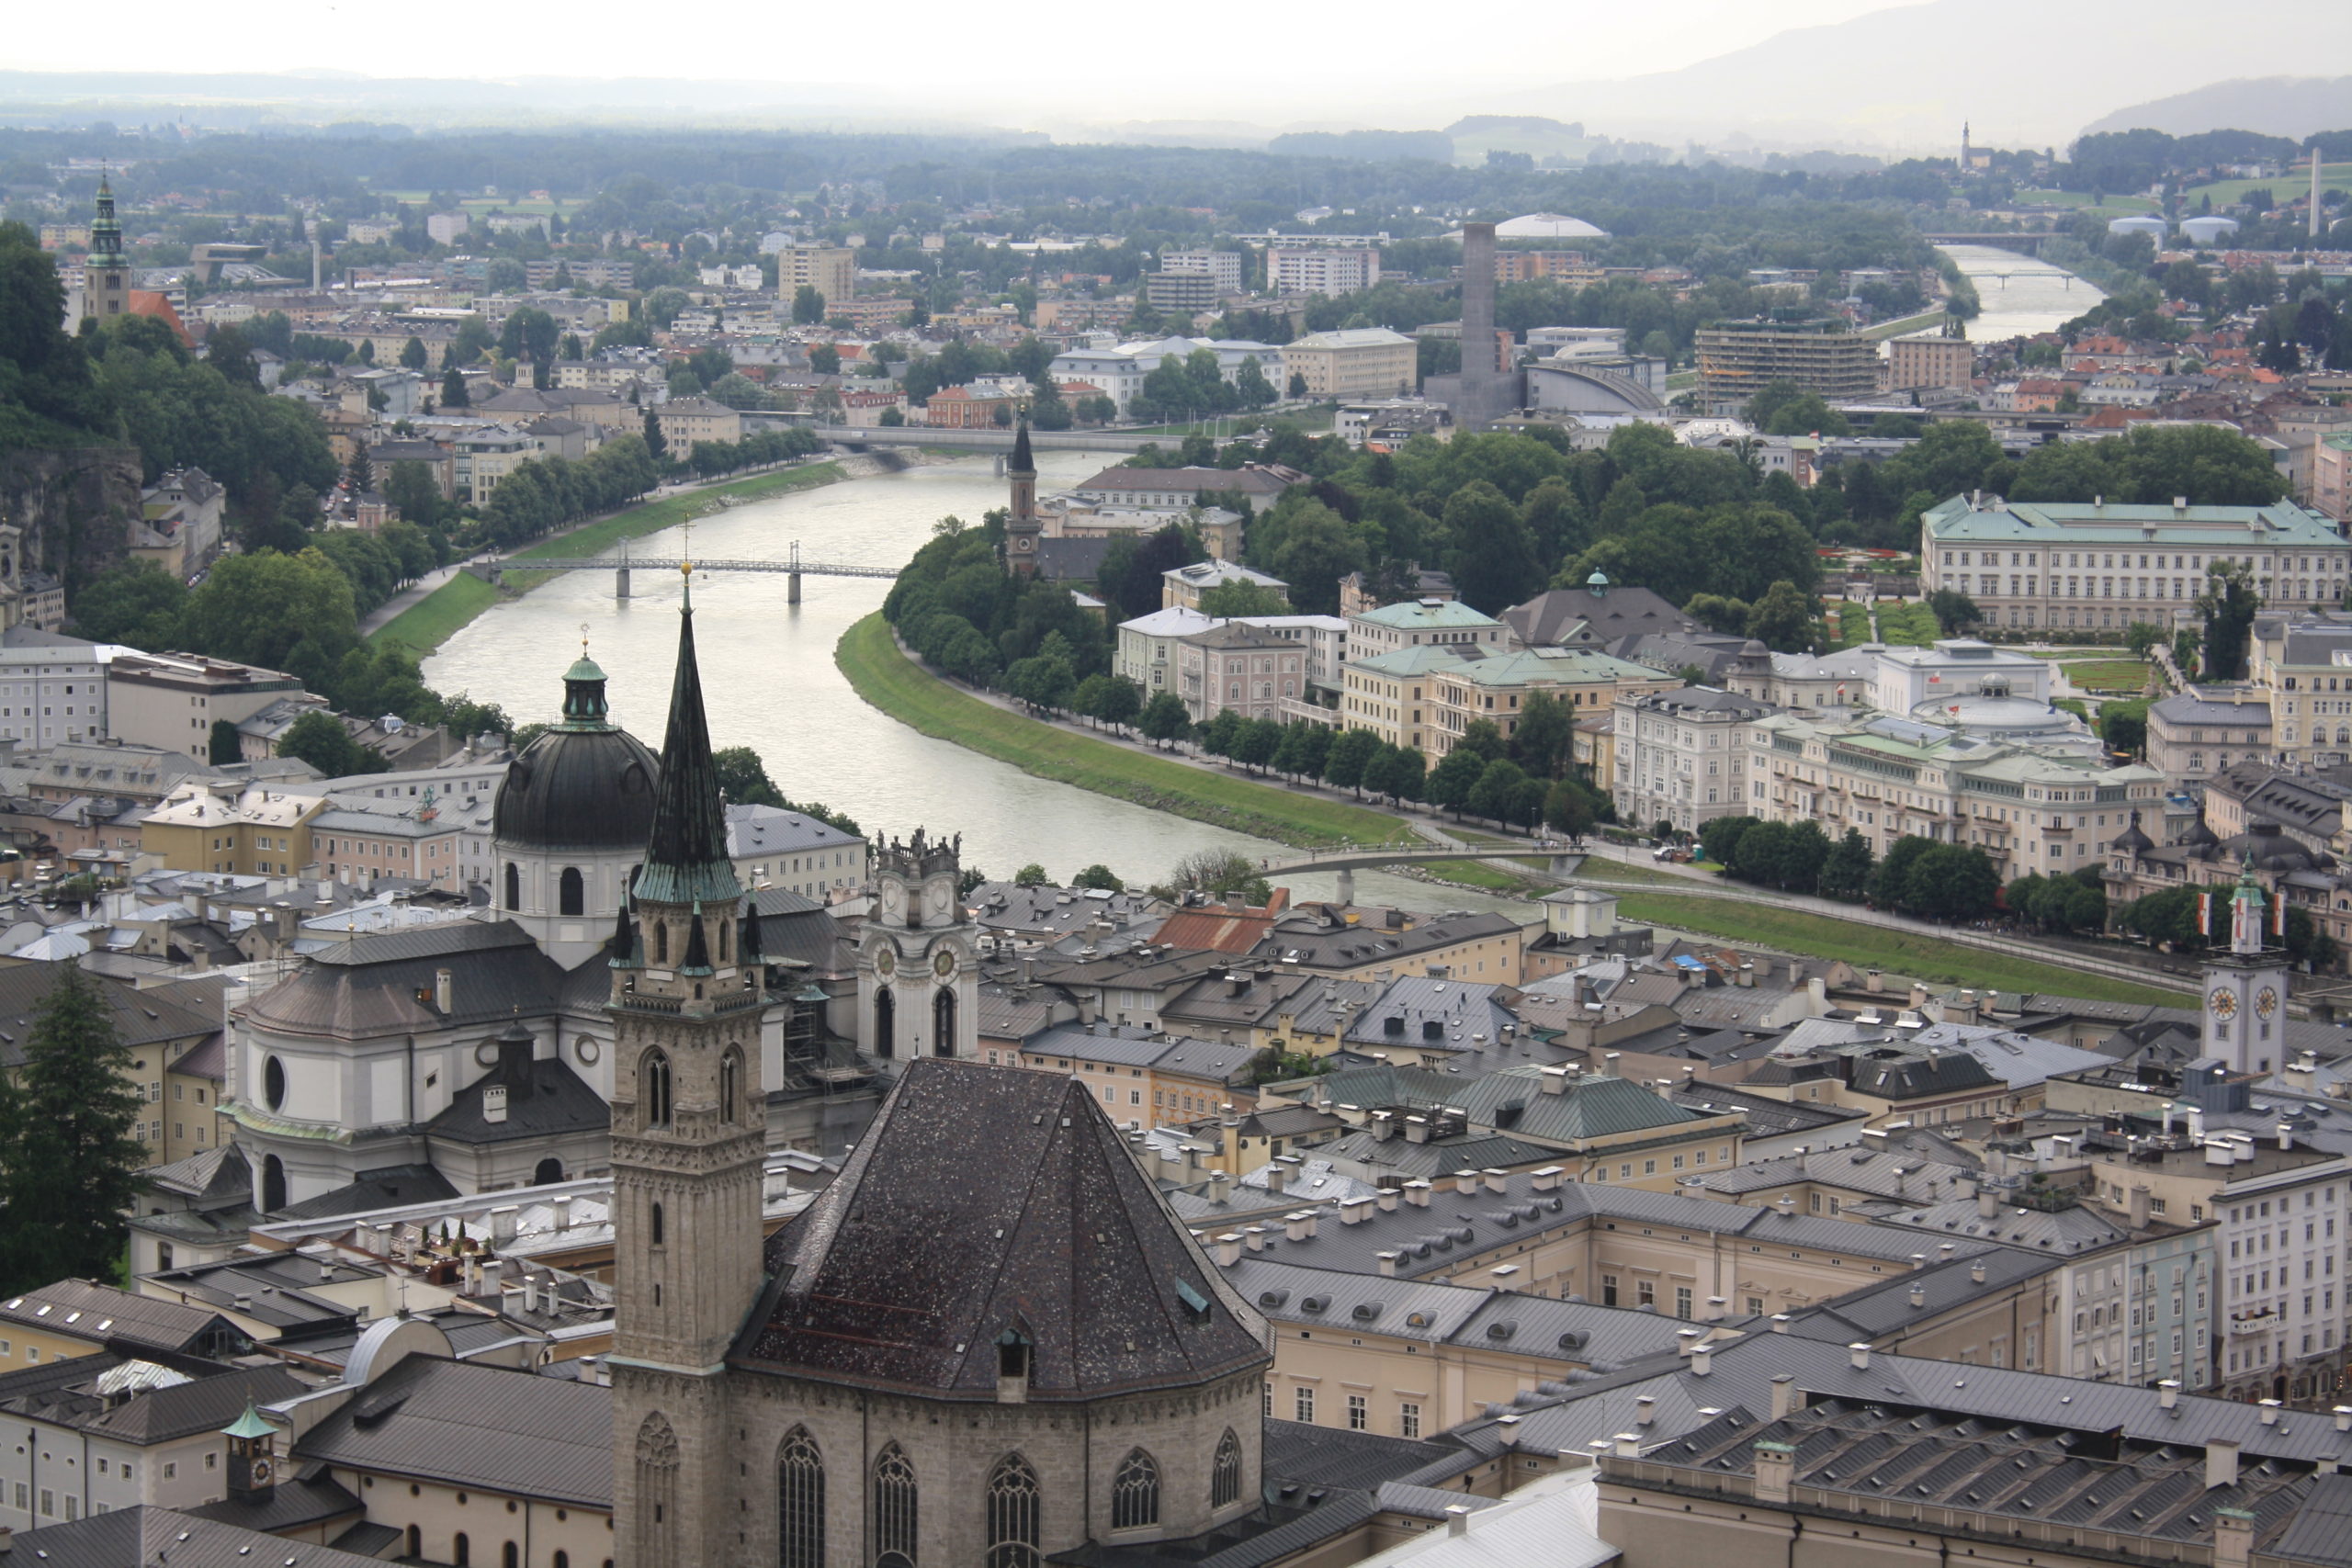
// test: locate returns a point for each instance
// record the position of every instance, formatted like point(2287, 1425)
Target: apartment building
point(2103, 565)
point(171, 701)
point(1352, 362)
point(1143, 1077)
point(1321, 269)
point(1496, 688)
point(480, 459)
point(2030, 808)
point(686, 421)
point(1929, 359)
point(1187, 293)
point(2196, 734)
point(1182, 587)
point(830, 270)
point(1739, 359)
point(250, 829)
point(1680, 756)
point(1238, 668)
point(2302, 664)
point(1394, 654)
point(53, 687)
point(1224, 268)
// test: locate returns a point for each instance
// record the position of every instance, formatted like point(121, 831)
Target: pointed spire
point(624, 943)
point(685, 862)
point(697, 947)
point(1022, 463)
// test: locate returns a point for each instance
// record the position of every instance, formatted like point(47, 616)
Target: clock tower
point(2246, 987)
point(918, 966)
point(1022, 527)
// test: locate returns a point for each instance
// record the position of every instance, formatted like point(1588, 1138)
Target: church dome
point(586, 783)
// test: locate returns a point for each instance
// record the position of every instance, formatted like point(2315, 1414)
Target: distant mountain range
point(2022, 73)
point(2274, 106)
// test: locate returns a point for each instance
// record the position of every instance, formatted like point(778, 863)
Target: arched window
point(1135, 1492)
point(514, 885)
point(1224, 1478)
point(885, 1021)
point(730, 1078)
point(653, 1091)
point(273, 1184)
point(571, 892)
point(893, 1491)
point(653, 1218)
point(942, 1022)
point(560, 1560)
point(800, 1502)
point(509, 1556)
point(722, 941)
point(657, 1489)
point(415, 1542)
point(1012, 1514)
point(547, 1171)
point(661, 941)
point(461, 1551)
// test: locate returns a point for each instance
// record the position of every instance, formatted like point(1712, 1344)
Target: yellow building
point(248, 829)
point(1496, 689)
point(160, 1034)
point(830, 270)
point(1359, 362)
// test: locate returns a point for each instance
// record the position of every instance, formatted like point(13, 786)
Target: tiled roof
point(78, 1308)
point(470, 1424)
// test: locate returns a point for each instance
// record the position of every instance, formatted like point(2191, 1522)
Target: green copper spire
point(250, 1425)
point(685, 863)
point(106, 230)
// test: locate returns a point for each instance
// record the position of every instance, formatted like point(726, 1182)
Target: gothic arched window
point(893, 1491)
point(653, 1091)
point(942, 1022)
point(722, 942)
point(514, 885)
point(1135, 1492)
point(1224, 1478)
point(1012, 1514)
point(657, 1489)
point(731, 1081)
point(571, 892)
point(800, 1502)
point(654, 1227)
point(885, 1021)
point(661, 941)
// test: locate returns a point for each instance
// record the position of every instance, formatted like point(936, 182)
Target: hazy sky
point(1141, 57)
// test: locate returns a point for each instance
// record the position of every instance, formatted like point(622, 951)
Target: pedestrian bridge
point(1117, 443)
point(1346, 859)
point(792, 567)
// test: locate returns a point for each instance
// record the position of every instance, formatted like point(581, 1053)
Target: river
point(2036, 297)
point(770, 682)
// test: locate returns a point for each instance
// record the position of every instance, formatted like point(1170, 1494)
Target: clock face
point(260, 1471)
point(943, 964)
point(1022, 543)
point(885, 961)
point(2224, 1003)
point(2265, 1001)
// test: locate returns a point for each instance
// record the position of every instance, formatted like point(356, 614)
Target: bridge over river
point(792, 567)
point(1348, 859)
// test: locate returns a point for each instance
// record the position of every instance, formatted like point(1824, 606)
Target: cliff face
point(75, 504)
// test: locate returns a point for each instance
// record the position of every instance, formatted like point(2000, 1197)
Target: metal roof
point(469, 1424)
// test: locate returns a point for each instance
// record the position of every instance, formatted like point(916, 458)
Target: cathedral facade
point(987, 1342)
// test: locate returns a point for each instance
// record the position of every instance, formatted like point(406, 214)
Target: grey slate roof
point(140, 1018)
point(143, 1534)
point(2059, 1234)
point(476, 1426)
point(906, 1270)
point(2321, 1531)
point(1883, 1306)
point(378, 985)
point(155, 1415)
point(104, 1312)
point(558, 1103)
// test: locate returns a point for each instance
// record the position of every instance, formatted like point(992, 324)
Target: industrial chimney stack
point(1478, 376)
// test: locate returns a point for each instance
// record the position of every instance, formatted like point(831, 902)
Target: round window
point(586, 1049)
point(273, 1083)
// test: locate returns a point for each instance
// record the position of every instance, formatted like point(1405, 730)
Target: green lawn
point(2121, 206)
point(1898, 952)
point(2107, 674)
point(878, 672)
point(2285, 188)
point(433, 620)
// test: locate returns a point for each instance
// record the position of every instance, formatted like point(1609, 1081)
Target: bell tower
point(689, 1131)
point(253, 1456)
point(1022, 528)
point(918, 970)
point(106, 276)
point(2246, 987)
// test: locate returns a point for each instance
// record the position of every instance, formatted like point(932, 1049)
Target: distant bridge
point(1347, 860)
point(996, 441)
point(793, 568)
point(2028, 245)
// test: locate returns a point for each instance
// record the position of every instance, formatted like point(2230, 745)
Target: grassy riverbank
point(440, 614)
point(1866, 947)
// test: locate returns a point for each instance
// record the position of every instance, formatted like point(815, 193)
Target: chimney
point(1497, 1180)
point(1417, 1193)
point(1465, 1183)
point(1276, 1174)
point(1387, 1200)
point(1299, 1227)
point(2285, 1137)
point(1976, 1272)
point(1229, 1250)
point(1354, 1211)
point(1988, 1203)
point(1417, 1129)
point(1717, 1309)
point(2344, 1417)
point(1645, 1409)
point(503, 1220)
point(1702, 1360)
point(2221, 1463)
point(2137, 1199)
point(1553, 1079)
point(1544, 1181)
point(1780, 1323)
point(442, 995)
point(1918, 1297)
point(2270, 1408)
point(1629, 1444)
point(563, 1212)
point(1387, 1265)
point(1775, 1466)
point(1457, 1519)
point(1918, 1261)
point(2168, 1394)
point(1254, 1237)
point(1220, 1187)
point(1685, 1338)
point(530, 1292)
point(1784, 1396)
point(1384, 1125)
point(1858, 1355)
point(1608, 1063)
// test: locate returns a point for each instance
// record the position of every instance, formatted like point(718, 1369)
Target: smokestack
point(314, 264)
point(1479, 381)
point(2315, 210)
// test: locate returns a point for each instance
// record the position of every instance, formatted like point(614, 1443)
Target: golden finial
point(583, 640)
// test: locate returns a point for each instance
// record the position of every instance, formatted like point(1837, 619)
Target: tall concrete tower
point(1481, 393)
point(2315, 191)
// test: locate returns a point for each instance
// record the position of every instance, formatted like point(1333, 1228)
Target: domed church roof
point(586, 784)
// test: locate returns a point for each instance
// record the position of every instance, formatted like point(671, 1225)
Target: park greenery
point(69, 1156)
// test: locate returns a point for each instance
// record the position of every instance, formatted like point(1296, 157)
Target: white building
point(1225, 266)
point(1118, 372)
point(53, 687)
point(1680, 757)
point(1316, 269)
point(1147, 652)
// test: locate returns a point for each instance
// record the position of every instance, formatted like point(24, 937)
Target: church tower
point(1022, 528)
point(918, 968)
point(689, 1130)
point(2245, 988)
point(106, 276)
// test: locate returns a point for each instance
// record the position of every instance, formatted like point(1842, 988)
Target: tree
point(1455, 775)
point(655, 442)
point(1298, 384)
point(1719, 837)
point(825, 360)
point(1031, 875)
point(1783, 620)
point(136, 604)
point(1098, 875)
point(318, 739)
point(1567, 811)
point(1890, 881)
point(1846, 870)
point(743, 778)
point(69, 1162)
point(1951, 882)
point(1495, 793)
point(1398, 772)
point(227, 746)
point(808, 304)
point(2124, 728)
point(1343, 764)
point(1482, 739)
point(1240, 597)
point(453, 389)
point(361, 475)
point(1540, 744)
point(1164, 720)
point(1257, 744)
point(2228, 605)
point(1218, 873)
point(2142, 638)
point(1955, 612)
point(1489, 548)
point(412, 491)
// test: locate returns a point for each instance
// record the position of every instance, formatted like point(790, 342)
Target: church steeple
point(106, 229)
point(685, 862)
point(106, 276)
point(1021, 526)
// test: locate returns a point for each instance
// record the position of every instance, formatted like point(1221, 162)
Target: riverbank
point(433, 619)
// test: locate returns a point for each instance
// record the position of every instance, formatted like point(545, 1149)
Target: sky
point(1219, 59)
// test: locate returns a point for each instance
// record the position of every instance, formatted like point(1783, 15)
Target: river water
point(2035, 296)
point(770, 683)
